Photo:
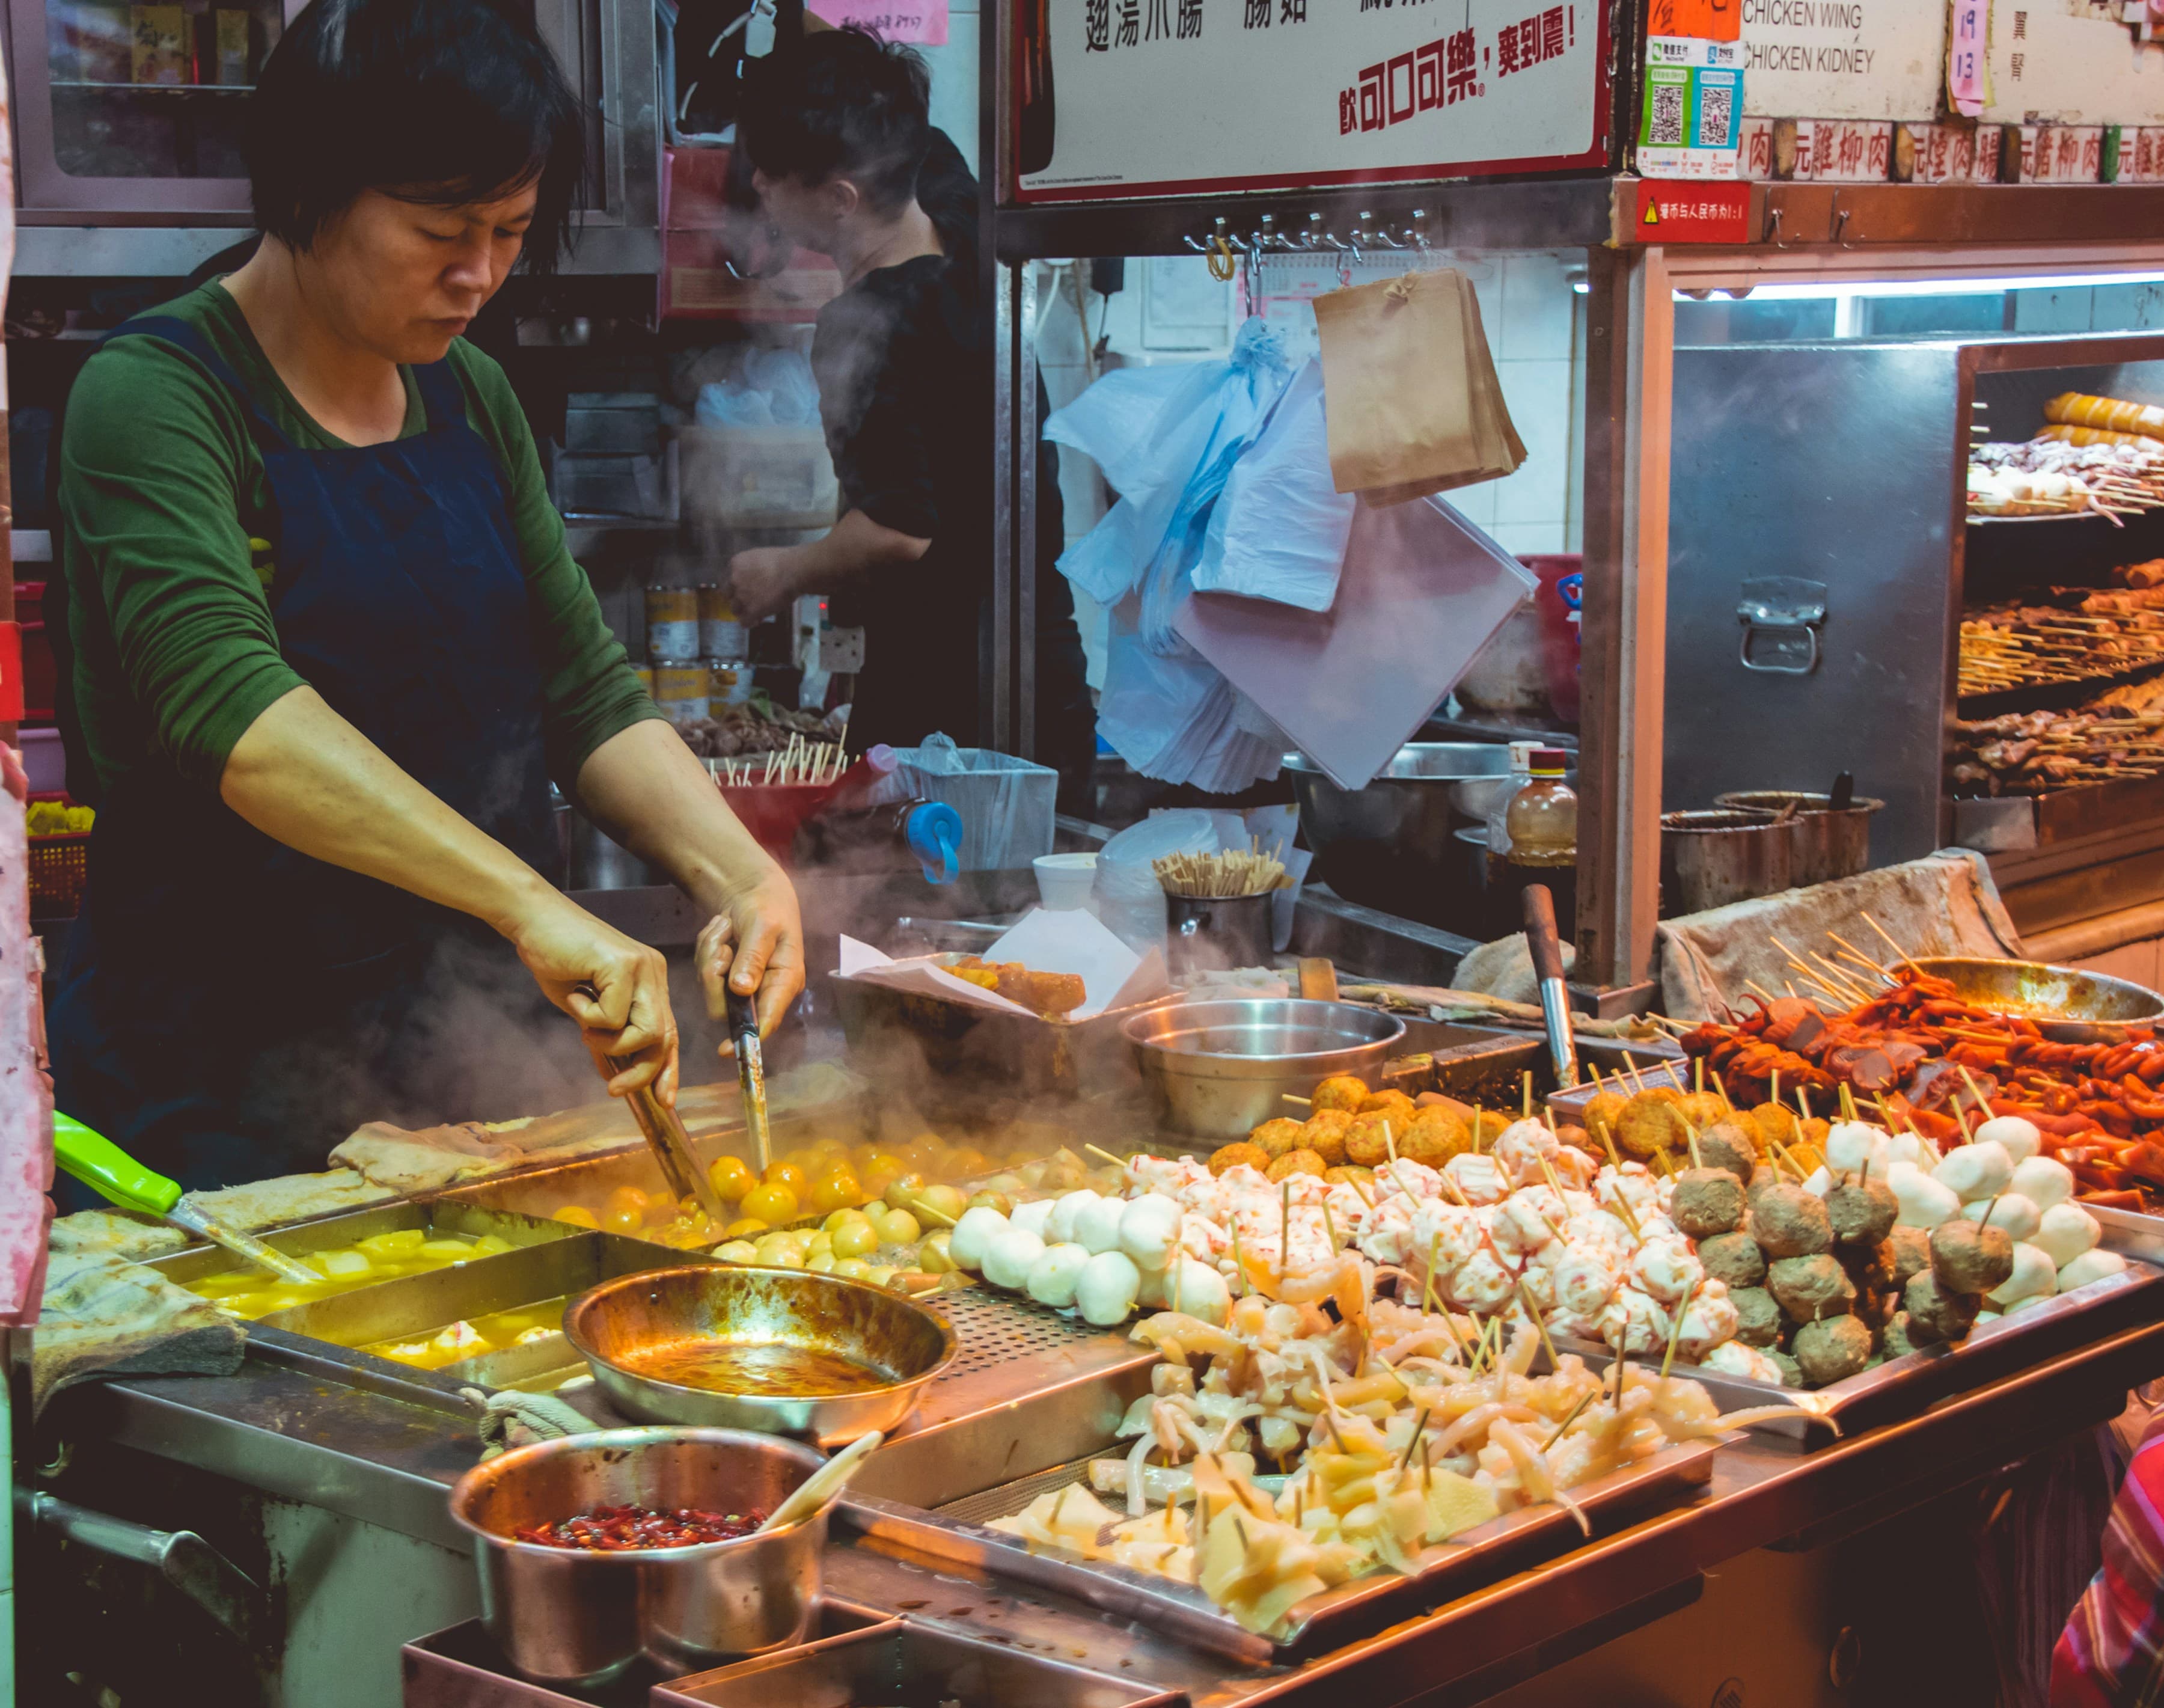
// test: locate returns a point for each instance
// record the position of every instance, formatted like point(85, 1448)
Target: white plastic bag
point(1279, 530)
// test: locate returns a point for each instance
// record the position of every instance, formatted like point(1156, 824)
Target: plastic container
point(1065, 881)
point(60, 868)
point(1005, 803)
point(758, 476)
point(1521, 773)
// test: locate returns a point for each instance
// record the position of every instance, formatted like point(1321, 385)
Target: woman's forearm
point(644, 787)
point(304, 776)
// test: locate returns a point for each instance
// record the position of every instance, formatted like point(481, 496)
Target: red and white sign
point(1121, 98)
point(2061, 154)
point(1672, 212)
point(1843, 151)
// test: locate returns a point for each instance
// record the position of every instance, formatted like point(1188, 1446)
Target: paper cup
point(1063, 881)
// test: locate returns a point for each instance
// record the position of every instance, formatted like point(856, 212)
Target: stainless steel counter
point(382, 1457)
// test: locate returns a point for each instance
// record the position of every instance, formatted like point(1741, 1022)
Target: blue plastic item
point(935, 837)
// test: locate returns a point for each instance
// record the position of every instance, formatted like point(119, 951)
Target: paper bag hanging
point(1413, 403)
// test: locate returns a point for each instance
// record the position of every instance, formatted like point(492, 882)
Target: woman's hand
point(756, 942)
point(614, 987)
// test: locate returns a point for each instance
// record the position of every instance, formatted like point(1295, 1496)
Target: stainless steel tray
point(1908, 1386)
point(1512, 1542)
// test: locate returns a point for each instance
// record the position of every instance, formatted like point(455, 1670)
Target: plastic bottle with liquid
point(1541, 824)
point(1521, 773)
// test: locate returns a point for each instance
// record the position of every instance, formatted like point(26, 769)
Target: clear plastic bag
point(1278, 531)
point(1130, 899)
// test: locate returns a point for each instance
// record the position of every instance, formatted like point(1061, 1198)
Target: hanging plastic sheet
point(1279, 530)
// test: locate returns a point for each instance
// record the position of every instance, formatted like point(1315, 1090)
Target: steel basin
point(614, 1322)
point(1388, 845)
point(2067, 1004)
point(1710, 859)
point(1827, 844)
point(1220, 1069)
point(573, 1616)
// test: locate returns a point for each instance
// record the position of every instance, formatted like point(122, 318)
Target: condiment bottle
point(1542, 825)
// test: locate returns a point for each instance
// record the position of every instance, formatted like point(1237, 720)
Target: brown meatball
point(1708, 1201)
point(1912, 1253)
point(1340, 1091)
point(1733, 1258)
point(1758, 1316)
point(1231, 1156)
point(1789, 1222)
point(1831, 1348)
point(1365, 1143)
point(1275, 1137)
point(1435, 1137)
point(1862, 1212)
point(1298, 1162)
point(1935, 1314)
point(1809, 1287)
point(1729, 1143)
point(1971, 1259)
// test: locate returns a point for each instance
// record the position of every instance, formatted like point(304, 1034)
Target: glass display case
point(125, 109)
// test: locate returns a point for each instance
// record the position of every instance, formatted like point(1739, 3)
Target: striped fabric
point(2111, 1654)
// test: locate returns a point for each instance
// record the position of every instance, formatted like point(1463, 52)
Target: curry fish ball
point(1832, 1348)
point(1789, 1222)
point(1435, 1137)
point(1651, 1124)
point(1365, 1143)
point(1324, 1133)
point(1395, 1104)
point(1347, 1174)
point(1297, 1162)
point(1238, 1154)
point(1604, 1111)
point(1488, 1125)
point(1776, 1124)
point(1340, 1091)
point(1274, 1139)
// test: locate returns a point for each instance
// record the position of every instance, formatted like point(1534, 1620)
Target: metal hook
point(1774, 227)
point(1839, 225)
point(1417, 231)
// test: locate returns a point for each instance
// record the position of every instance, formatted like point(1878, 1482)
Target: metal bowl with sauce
point(2068, 1004)
point(787, 1351)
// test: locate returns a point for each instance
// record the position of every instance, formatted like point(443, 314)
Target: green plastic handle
point(98, 1163)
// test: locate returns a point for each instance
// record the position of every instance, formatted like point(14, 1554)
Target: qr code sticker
point(1716, 104)
point(1666, 126)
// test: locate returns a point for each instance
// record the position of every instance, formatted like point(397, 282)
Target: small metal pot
point(577, 1617)
point(1828, 844)
point(609, 1325)
point(1219, 1070)
point(1216, 933)
point(1708, 860)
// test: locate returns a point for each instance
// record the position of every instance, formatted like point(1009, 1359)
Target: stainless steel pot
point(579, 1617)
point(599, 862)
point(1388, 845)
point(1710, 859)
point(1828, 844)
point(613, 1323)
point(1220, 1069)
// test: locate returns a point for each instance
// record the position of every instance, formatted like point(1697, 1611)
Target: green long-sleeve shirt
point(161, 491)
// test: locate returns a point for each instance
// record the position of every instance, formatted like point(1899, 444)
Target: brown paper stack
point(1413, 406)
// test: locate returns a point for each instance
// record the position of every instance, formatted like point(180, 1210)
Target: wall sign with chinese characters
point(1120, 98)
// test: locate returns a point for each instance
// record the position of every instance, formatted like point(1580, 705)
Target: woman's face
point(403, 279)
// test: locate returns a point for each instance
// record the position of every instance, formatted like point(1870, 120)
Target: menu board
point(1123, 98)
point(1842, 59)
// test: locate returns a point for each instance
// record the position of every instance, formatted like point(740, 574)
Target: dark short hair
point(440, 102)
point(840, 102)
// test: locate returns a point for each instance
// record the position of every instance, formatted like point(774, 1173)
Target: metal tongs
point(751, 1074)
point(672, 1147)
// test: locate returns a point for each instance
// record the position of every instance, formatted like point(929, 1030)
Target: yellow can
point(680, 691)
point(672, 625)
point(721, 636)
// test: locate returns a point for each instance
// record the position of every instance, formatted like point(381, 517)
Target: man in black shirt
point(846, 164)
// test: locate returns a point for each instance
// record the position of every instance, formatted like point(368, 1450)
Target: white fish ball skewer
point(974, 1235)
point(2009, 1210)
point(1923, 1202)
point(2034, 1274)
point(2044, 1181)
point(1106, 1292)
point(2065, 1231)
point(1009, 1257)
point(1053, 1277)
point(1975, 1171)
point(2017, 1137)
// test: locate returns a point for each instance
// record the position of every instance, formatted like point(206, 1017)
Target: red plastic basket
point(59, 867)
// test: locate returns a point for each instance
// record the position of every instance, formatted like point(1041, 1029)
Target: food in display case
point(498, 1331)
point(380, 1257)
point(1389, 1428)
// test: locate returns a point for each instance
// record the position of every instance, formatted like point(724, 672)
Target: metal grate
point(995, 1328)
point(1010, 1498)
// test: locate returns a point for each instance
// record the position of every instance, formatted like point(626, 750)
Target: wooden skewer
point(1096, 1151)
point(1903, 956)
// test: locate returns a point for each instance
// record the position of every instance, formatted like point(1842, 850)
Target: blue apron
point(228, 1008)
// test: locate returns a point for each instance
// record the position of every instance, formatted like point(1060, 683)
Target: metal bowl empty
point(1219, 1070)
point(2067, 1004)
point(580, 1616)
point(622, 1324)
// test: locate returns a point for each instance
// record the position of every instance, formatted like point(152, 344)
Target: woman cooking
point(329, 647)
